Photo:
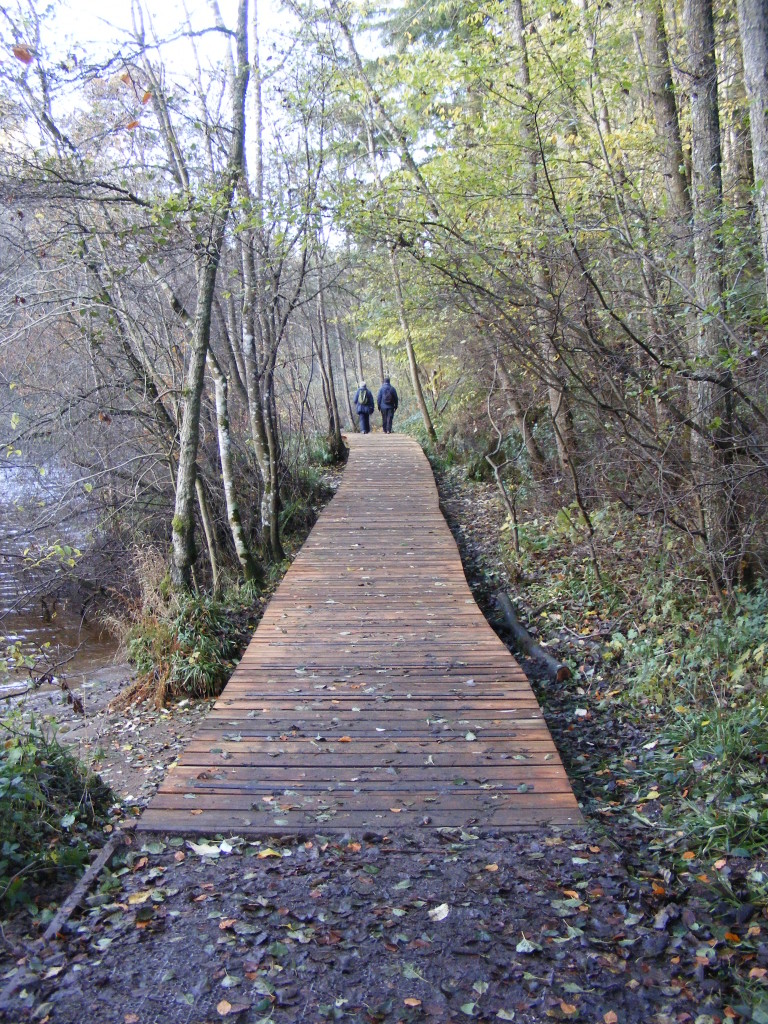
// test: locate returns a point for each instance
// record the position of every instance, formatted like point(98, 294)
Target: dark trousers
point(387, 415)
point(365, 422)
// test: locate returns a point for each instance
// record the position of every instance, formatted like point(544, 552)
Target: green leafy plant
point(51, 807)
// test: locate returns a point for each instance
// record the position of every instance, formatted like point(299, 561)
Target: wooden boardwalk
point(374, 695)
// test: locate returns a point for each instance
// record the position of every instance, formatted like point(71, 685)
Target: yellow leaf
point(345, 739)
point(137, 898)
point(223, 1008)
point(491, 867)
point(23, 54)
point(410, 1001)
point(610, 1017)
point(131, 125)
point(568, 1008)
point(146, 97)
point(227, 922)
point(689, 855)
point(268, 852)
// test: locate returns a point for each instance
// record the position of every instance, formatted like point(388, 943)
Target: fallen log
point(23, 977)
point(525, 643)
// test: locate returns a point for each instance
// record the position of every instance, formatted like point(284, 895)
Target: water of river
point(37, 611)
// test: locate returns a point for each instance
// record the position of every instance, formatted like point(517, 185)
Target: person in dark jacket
point(387, 402)
point(364, 406)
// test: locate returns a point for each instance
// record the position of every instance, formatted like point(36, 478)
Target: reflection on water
point(30, 612)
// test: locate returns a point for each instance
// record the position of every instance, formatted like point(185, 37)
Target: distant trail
point(374, 695)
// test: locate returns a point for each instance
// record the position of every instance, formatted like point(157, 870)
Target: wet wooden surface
point(374, 695)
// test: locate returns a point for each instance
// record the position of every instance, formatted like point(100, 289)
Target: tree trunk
point(535, 457)
point(559, 405)
point(182, 534)
point(665, 107)
point(337, 446)
point(210, 533)
point(251, 569)
point(183, 527)
point(343, 360)
point(713, 443)
point(753, 29)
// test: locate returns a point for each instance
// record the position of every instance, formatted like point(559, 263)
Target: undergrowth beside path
point(661, 727)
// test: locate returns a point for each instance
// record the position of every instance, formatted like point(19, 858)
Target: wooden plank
point(373, 695)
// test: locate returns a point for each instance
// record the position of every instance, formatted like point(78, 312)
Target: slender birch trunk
point(251, 569)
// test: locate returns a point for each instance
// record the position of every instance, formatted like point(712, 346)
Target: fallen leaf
point(146, 97)
point(689, 855)
point(23, 54)
point(137, 898)
point(491, 867)
point(131, 125)
point(720, 864)
point(439, 913)
point(411, 1001)
point(610, 1017)
point(268, 852)
point(204, 849)
point(345, 739)
point(131, 1018)
point(227, 922)
point(568, 1008)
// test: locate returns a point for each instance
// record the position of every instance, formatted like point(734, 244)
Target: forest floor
point(616, 923)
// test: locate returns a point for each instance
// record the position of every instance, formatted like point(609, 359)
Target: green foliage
point(50, 806)
point(708, 672)
point(188, 649)
point(690, 676)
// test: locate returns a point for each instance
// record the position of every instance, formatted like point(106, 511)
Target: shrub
point(50, 806)
point(189, 648)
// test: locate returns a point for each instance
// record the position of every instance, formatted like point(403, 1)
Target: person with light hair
point(364, 406)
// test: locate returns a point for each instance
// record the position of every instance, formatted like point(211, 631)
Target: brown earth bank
point(615, 923)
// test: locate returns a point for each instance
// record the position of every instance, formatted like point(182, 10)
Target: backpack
point(364, 400)
point(388, 395)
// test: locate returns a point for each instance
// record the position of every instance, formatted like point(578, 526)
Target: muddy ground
point(614, 923)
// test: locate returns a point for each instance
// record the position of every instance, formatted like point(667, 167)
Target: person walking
point(387, 402)
point(364, 406)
